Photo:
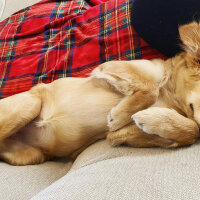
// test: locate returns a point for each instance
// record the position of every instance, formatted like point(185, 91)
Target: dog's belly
point(30, 134)
point(74, 114)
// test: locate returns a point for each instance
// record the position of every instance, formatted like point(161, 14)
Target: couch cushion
point(23, 182)
point(103, 172)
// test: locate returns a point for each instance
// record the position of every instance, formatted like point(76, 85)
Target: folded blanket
point(56, 38)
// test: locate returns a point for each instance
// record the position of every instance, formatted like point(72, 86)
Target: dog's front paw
point(117, 119)
point(113, 121)
point(145, 121)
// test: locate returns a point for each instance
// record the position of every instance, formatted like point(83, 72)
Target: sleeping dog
point(140, 103)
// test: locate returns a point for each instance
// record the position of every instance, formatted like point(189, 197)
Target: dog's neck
point(170, 93)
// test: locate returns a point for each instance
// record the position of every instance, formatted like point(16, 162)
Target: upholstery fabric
point(12, 6)
point(2, 7)
point(23, 182)
point(105, 173)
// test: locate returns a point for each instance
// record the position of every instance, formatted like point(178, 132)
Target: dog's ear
point(119, 75)
point(190, 37)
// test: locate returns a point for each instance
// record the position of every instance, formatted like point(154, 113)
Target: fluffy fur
point(139, 103)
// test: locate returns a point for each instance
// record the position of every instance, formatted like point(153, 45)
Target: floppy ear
point(190, 36)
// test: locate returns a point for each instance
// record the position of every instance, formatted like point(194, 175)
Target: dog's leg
point(18, 110)
point(139, 87)
point(131, 135)
point(120, 115)
point(168, 124)
point(17, 153)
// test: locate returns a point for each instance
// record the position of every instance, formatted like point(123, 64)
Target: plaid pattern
point(56, 38)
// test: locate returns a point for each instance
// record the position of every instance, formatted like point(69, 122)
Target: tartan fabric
point(56, 38)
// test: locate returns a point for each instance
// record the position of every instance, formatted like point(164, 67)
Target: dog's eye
point(197, 61)
point(191, 106)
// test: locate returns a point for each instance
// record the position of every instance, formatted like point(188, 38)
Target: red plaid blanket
point(65, 38)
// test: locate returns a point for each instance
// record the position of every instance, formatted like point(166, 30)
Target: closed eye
point(191, 106)
point(197, 61)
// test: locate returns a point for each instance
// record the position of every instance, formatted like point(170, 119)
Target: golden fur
point(139, 103)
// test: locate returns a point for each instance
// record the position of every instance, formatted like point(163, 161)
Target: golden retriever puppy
point(140, 103)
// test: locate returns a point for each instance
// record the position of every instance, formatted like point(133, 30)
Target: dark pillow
point(157, 21)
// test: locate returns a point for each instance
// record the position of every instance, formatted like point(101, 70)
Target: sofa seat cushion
point(24, 182)
point(103, 172)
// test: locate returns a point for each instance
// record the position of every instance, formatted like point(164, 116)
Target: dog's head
point(189, 76)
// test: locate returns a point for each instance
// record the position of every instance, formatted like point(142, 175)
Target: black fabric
point(157, 21)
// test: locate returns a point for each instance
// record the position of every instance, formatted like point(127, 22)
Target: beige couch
point(105, 173)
